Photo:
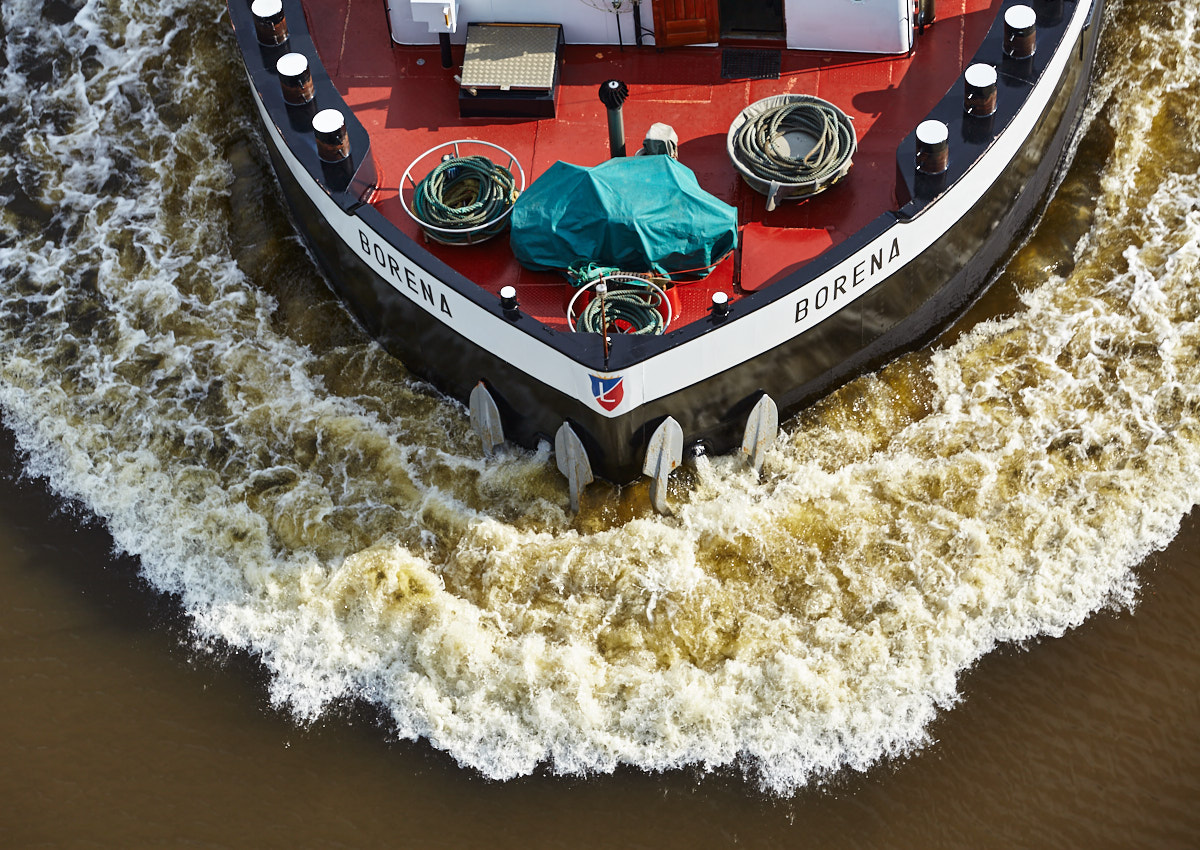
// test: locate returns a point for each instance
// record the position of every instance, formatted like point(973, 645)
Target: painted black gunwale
point(886, 321)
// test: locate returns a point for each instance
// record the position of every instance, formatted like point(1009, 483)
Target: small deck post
point(720, 307)
point(1049, 12)
point(573, 462)
point(663, 454)
point(509, 303)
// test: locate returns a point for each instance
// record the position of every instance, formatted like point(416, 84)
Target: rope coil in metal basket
point(465, 198)
point(625, 303)
point(791, 146)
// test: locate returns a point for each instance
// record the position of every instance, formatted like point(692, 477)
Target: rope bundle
point(755, 148)
point(464, 193)
point(627, 298)
point(636, 307)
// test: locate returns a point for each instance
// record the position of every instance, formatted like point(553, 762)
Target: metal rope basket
point(625, 303)
point(791, 146)
point(466, 195)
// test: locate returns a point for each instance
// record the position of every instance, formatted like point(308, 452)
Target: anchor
point(485, 418)
point(761, 430)
point(572, 462)
point(664, 453)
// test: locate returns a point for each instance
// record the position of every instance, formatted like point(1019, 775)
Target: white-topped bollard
point(270, 26)
point(933, 147)
point(333, 143)
point(933, 158)
point(1020, 32)
point(295, 80)
point(979, 101)
point(720, 305)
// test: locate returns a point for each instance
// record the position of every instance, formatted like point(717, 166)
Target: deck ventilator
point(743, 63)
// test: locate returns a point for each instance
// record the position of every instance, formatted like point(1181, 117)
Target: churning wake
point(170, 358)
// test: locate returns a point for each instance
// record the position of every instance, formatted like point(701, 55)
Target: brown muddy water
point(260, 590)
point(114, 734)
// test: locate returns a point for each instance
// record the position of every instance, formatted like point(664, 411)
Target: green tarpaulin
point(638, 214)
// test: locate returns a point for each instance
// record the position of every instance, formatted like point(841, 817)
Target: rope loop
point(465, 193)
point(582, 272)
point(756, 148)
point(627, 303)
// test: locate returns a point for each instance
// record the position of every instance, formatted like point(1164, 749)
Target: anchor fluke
point(572, 462)
point(761, 430)
point(663, 454)
point(485, 418)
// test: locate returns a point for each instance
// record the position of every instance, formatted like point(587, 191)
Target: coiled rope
point(582, 272)
point(635, 309)
point(621, 302)
point(465, 193)
point(755, 148)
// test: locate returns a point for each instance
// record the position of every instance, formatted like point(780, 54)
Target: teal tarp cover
point(637, 214)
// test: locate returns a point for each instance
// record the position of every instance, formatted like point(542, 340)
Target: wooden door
point(679, 22)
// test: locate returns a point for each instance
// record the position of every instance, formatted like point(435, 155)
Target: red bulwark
point(409, 104)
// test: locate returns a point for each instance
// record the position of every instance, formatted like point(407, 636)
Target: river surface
point(259, 587)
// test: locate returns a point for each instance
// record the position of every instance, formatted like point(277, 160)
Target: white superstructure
point(856, 26)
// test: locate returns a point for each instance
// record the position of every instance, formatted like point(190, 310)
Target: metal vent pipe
point(925, 14)
point(612, 95)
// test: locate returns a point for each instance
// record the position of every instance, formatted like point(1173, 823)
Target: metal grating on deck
point(740, 63)
point(510, 56)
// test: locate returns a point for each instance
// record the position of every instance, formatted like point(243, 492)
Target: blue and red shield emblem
point(608, 391)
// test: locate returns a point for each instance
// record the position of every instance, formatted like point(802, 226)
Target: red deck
point(409, 103)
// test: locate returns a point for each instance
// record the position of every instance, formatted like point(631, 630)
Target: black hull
point(903, 310)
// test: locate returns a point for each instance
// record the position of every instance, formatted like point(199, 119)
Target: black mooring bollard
point(980, 98)
point(933, 147)
point(333, 143)
point(1020, 32)
point(270, 26)
point(295, 80)
point(933, 158)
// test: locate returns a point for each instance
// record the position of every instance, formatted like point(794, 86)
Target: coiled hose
point(755, 148)
point(465, 193)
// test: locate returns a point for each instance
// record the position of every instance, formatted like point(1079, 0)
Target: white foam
point(311, 504)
